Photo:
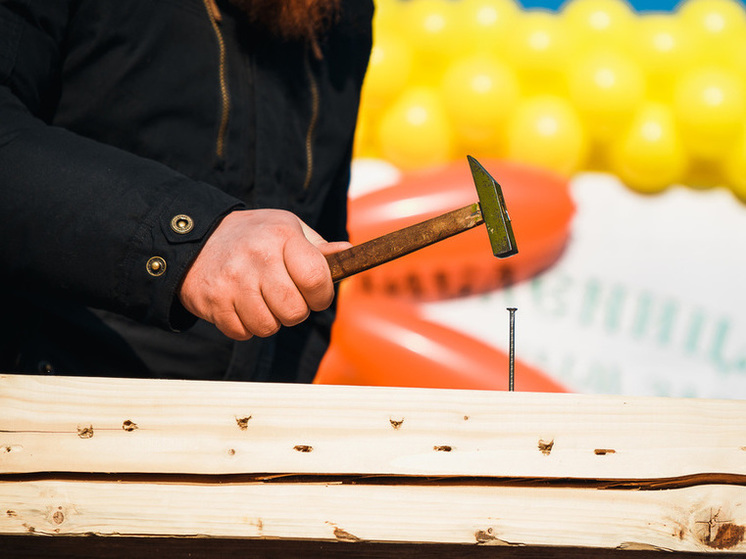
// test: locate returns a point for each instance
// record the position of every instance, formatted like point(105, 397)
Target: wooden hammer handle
point(393, 245)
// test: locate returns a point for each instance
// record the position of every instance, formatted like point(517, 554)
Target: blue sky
point(639, 5)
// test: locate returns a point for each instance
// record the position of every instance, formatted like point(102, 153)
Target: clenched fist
point(259, 270)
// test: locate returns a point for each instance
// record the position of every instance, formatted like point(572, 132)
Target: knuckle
point(295, 314)
point(230, 325)
point(282, 225)
point(256, 316)
point(213, 300)
point(239, 335)
point(316, 278)
point(319, 291)
point(262, 254)
point(231, 271)
point(266, 328)
point(219, 286)
point(288, 304)
point(323, 303)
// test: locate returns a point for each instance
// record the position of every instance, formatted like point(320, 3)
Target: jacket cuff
point(175, 234)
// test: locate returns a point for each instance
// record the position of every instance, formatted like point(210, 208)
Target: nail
point(511, 354)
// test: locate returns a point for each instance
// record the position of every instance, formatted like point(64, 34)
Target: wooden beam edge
point(695, 519)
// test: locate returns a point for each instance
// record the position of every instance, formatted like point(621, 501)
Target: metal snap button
point(156, 266)
point(182, 224)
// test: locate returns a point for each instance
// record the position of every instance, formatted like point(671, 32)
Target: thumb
point(313, 237)
point(320, 243)
point(331, 248)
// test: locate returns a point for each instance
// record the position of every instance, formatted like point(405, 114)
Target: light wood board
point(180, 458)
point(709, 518)
point(125, 425)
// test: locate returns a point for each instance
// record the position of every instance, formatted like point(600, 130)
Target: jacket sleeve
point(78, 218)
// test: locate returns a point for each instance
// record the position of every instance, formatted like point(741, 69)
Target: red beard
point(304, 20)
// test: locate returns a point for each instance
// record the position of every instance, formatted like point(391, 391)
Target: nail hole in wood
point(129, 425)
point(546, 446)
point(85, 432)
point(604, 451)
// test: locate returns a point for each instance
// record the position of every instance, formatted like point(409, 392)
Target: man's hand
point(259, 269)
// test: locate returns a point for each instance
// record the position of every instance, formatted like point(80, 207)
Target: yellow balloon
point(483, 26)
point(431, 29)
point(664, 49)
point(365, 144)
point(389, 69)
point(387, 16)
point(734, 166)
point(709, 105)
point(597, 23)
point(649, 155)
point(717, 25)
point(539, 48)
point(546, 131)
point(734, 58)
point(606, 87)
point(480, 93)
point(414, 132)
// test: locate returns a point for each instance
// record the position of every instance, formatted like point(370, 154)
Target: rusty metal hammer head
point(494, 211)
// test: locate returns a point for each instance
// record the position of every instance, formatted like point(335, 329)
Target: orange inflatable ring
point(381, 341)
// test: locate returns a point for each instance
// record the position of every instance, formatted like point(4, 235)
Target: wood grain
point(692, 519)
point(133, 425)
point(357, 465)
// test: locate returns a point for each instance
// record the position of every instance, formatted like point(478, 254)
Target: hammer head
point(494, 211)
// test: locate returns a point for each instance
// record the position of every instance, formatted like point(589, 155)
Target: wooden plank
point(131, 425)
point(695, 519)
point(359, 465)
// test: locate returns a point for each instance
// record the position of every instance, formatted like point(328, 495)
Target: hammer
point(490, 210)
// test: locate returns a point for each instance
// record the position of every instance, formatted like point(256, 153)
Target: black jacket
point(116, 116)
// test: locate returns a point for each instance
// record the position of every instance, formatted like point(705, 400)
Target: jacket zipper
point(213, 13)
point(314, 88)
